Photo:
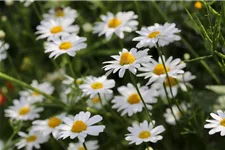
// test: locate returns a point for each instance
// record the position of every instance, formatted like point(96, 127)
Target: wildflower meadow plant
point(97, 75)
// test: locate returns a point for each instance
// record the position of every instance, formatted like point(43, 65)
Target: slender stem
point(72, 71)
point(198, 58)
point(139, 93)
point(138, 11)
point(85, 147)
point(36, 11)
point(101, 101)
point(9, 140)
point(5, 76)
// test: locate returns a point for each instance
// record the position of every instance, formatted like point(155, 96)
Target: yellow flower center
point(65, 45)
point(59, 12)
point(35, 94)
point(159, 69)
point(198, 5)
point(81, 148)
point(113, 23)
point(56, 29)
point(95, 100)
point(24, 110)
point(171, 80)
point(134, 98)
point(126, 58)
point(222, 122)
point(78, 126)
point(144, 134)
point(54, 122)
point(153, 34)
point(31, 138)
point(96, 85)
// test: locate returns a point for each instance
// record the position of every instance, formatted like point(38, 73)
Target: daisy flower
point(48, 126)
point(156, 72)
point(118, 24)
point(91, 145)
point(80, 126)
point(33, 96)
point(22, 110)
point(161, 34)
point(60, 12)
point(144, 133)
point(56, 27)
point(95, 101)
point(130, 102)
point(66, 44)
point(31, 140)
point(130, 60)
point(169, 116)
point(218, 124)
point(182, 82)
point(94, 86)
point(3, 47)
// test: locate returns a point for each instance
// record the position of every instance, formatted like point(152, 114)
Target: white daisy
point(95, 101)
point(118, 24)
point(130, 102)
point(101, 85)
point(91, 145)
point(218, 124)
point(48, 126)
point(33, 96)
point(56, 27)
point(56, 75)
point(80, 126)
point(144, 133)
point(161, 34)
point(169, 116)
point(22, 110)
point(182, 82)
point(3, 47)
point(60, 12)
point(127, 60)
point(27, 2)
point(31, 140)
point(66, 44)
point(156, 72)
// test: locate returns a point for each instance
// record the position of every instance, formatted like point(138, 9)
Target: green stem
point(139, 93)
point(36, 11)
point(138, 12)
point(72, 71)
point(198, 58)
point(85, 147)
point(9, 140)
point(5, 76)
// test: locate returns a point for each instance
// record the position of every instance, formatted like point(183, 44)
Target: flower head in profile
point(169, 114)
point(94, 86)
point(156, 72)
point(33, 96)
point(129, 102)
point(66, 44)
point(61, 13)
point(126, 60)
point(31, 140)
point(97, 102)
point(3, 48)
point(56, 27)
point(48, 126)
point(91, 145)
point(145, 132)
point(118, 24)
point(157, 34)
point(217, 124)
point(23, 110)
point(80, 126)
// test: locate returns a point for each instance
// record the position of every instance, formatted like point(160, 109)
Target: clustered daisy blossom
point(33, 96)
point(23, 110)
point(130, 102)
point(60, 32)
point(116, 24)
point(145, 132)
point(80, 126)
point(217, 124)
point(157, 34)
point(127, 60)
point(91, 145)
point(94, 85)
